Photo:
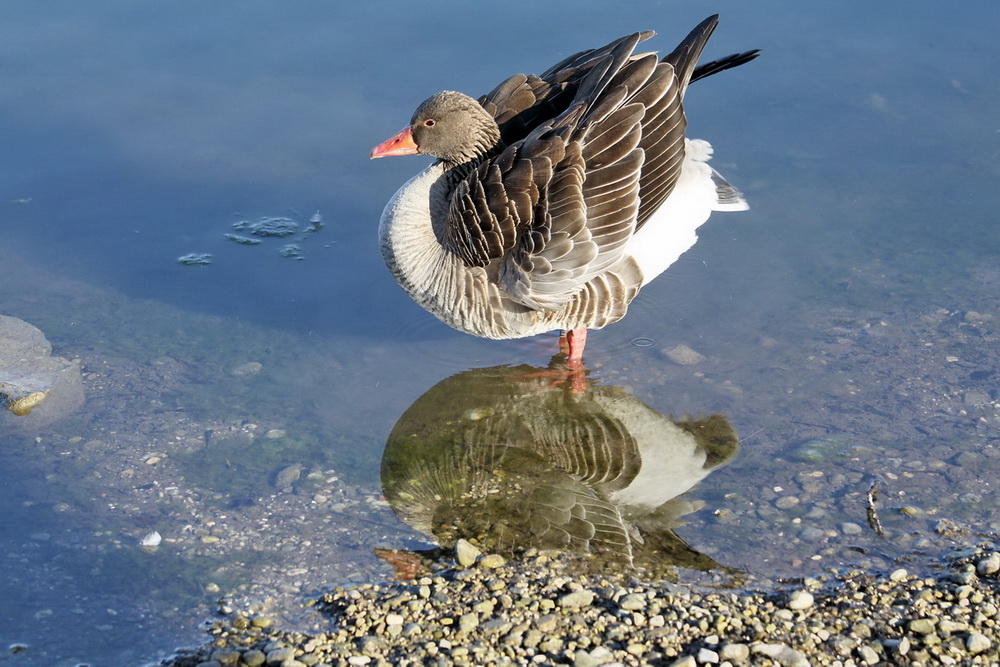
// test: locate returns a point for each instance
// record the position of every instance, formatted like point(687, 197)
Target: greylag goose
point(555, 197)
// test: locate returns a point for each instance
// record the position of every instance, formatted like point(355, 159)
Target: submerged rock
point(34, 386)
point(269, 226)
point(195, 259)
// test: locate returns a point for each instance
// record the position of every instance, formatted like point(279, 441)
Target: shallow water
point(848, 321)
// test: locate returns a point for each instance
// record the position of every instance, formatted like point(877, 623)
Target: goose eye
point(429, 122)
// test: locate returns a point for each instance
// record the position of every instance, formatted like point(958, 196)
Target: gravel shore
point(544, 609)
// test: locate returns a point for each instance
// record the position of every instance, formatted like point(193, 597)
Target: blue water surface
point(866, 138)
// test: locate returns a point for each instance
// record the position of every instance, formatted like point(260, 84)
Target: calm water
point(849, 321)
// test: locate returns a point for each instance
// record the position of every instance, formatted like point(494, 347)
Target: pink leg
point(576, 340)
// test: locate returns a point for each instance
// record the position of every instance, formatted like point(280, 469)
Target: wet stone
point(491, 561)
point(226, 657)
point(799, 600)
point(989, 565)
point(465, 553)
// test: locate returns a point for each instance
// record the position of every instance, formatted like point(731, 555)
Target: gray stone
point(867, 655)
point(226, 657)
point(279, 655)
point(35, 387)
point(596, 657)
point(734, 652)
point(465, 553)
point(989, 565)
point(633, 602)
point(921, 626)
point(782, 654)
point(707, 656)
point(576, 600)
point(492, 561)
point(977, 642)
point(254, 658)
point(799, 600)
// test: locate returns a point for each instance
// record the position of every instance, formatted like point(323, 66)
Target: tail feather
point(722, 64)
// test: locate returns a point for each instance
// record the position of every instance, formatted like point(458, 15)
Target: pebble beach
point(542, 609)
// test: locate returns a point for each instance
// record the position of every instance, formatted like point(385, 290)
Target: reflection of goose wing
point(501, 457)
point(573, 432)
point(564, 513)
point(507, 498)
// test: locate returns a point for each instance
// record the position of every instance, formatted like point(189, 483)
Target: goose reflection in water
point(508, 460)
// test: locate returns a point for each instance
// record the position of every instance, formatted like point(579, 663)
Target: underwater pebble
point(682, 355)
point(268, 226)
point(195, 259)
point(247, 369)
point(288, 476)
point(848, 528)
point(812, 534)
point(786, 502)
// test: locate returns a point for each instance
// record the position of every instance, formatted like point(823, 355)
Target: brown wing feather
point(590, 149)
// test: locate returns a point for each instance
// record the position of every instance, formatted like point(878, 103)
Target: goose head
point(450, 126)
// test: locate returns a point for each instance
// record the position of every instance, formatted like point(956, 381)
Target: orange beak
point(400, 143)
